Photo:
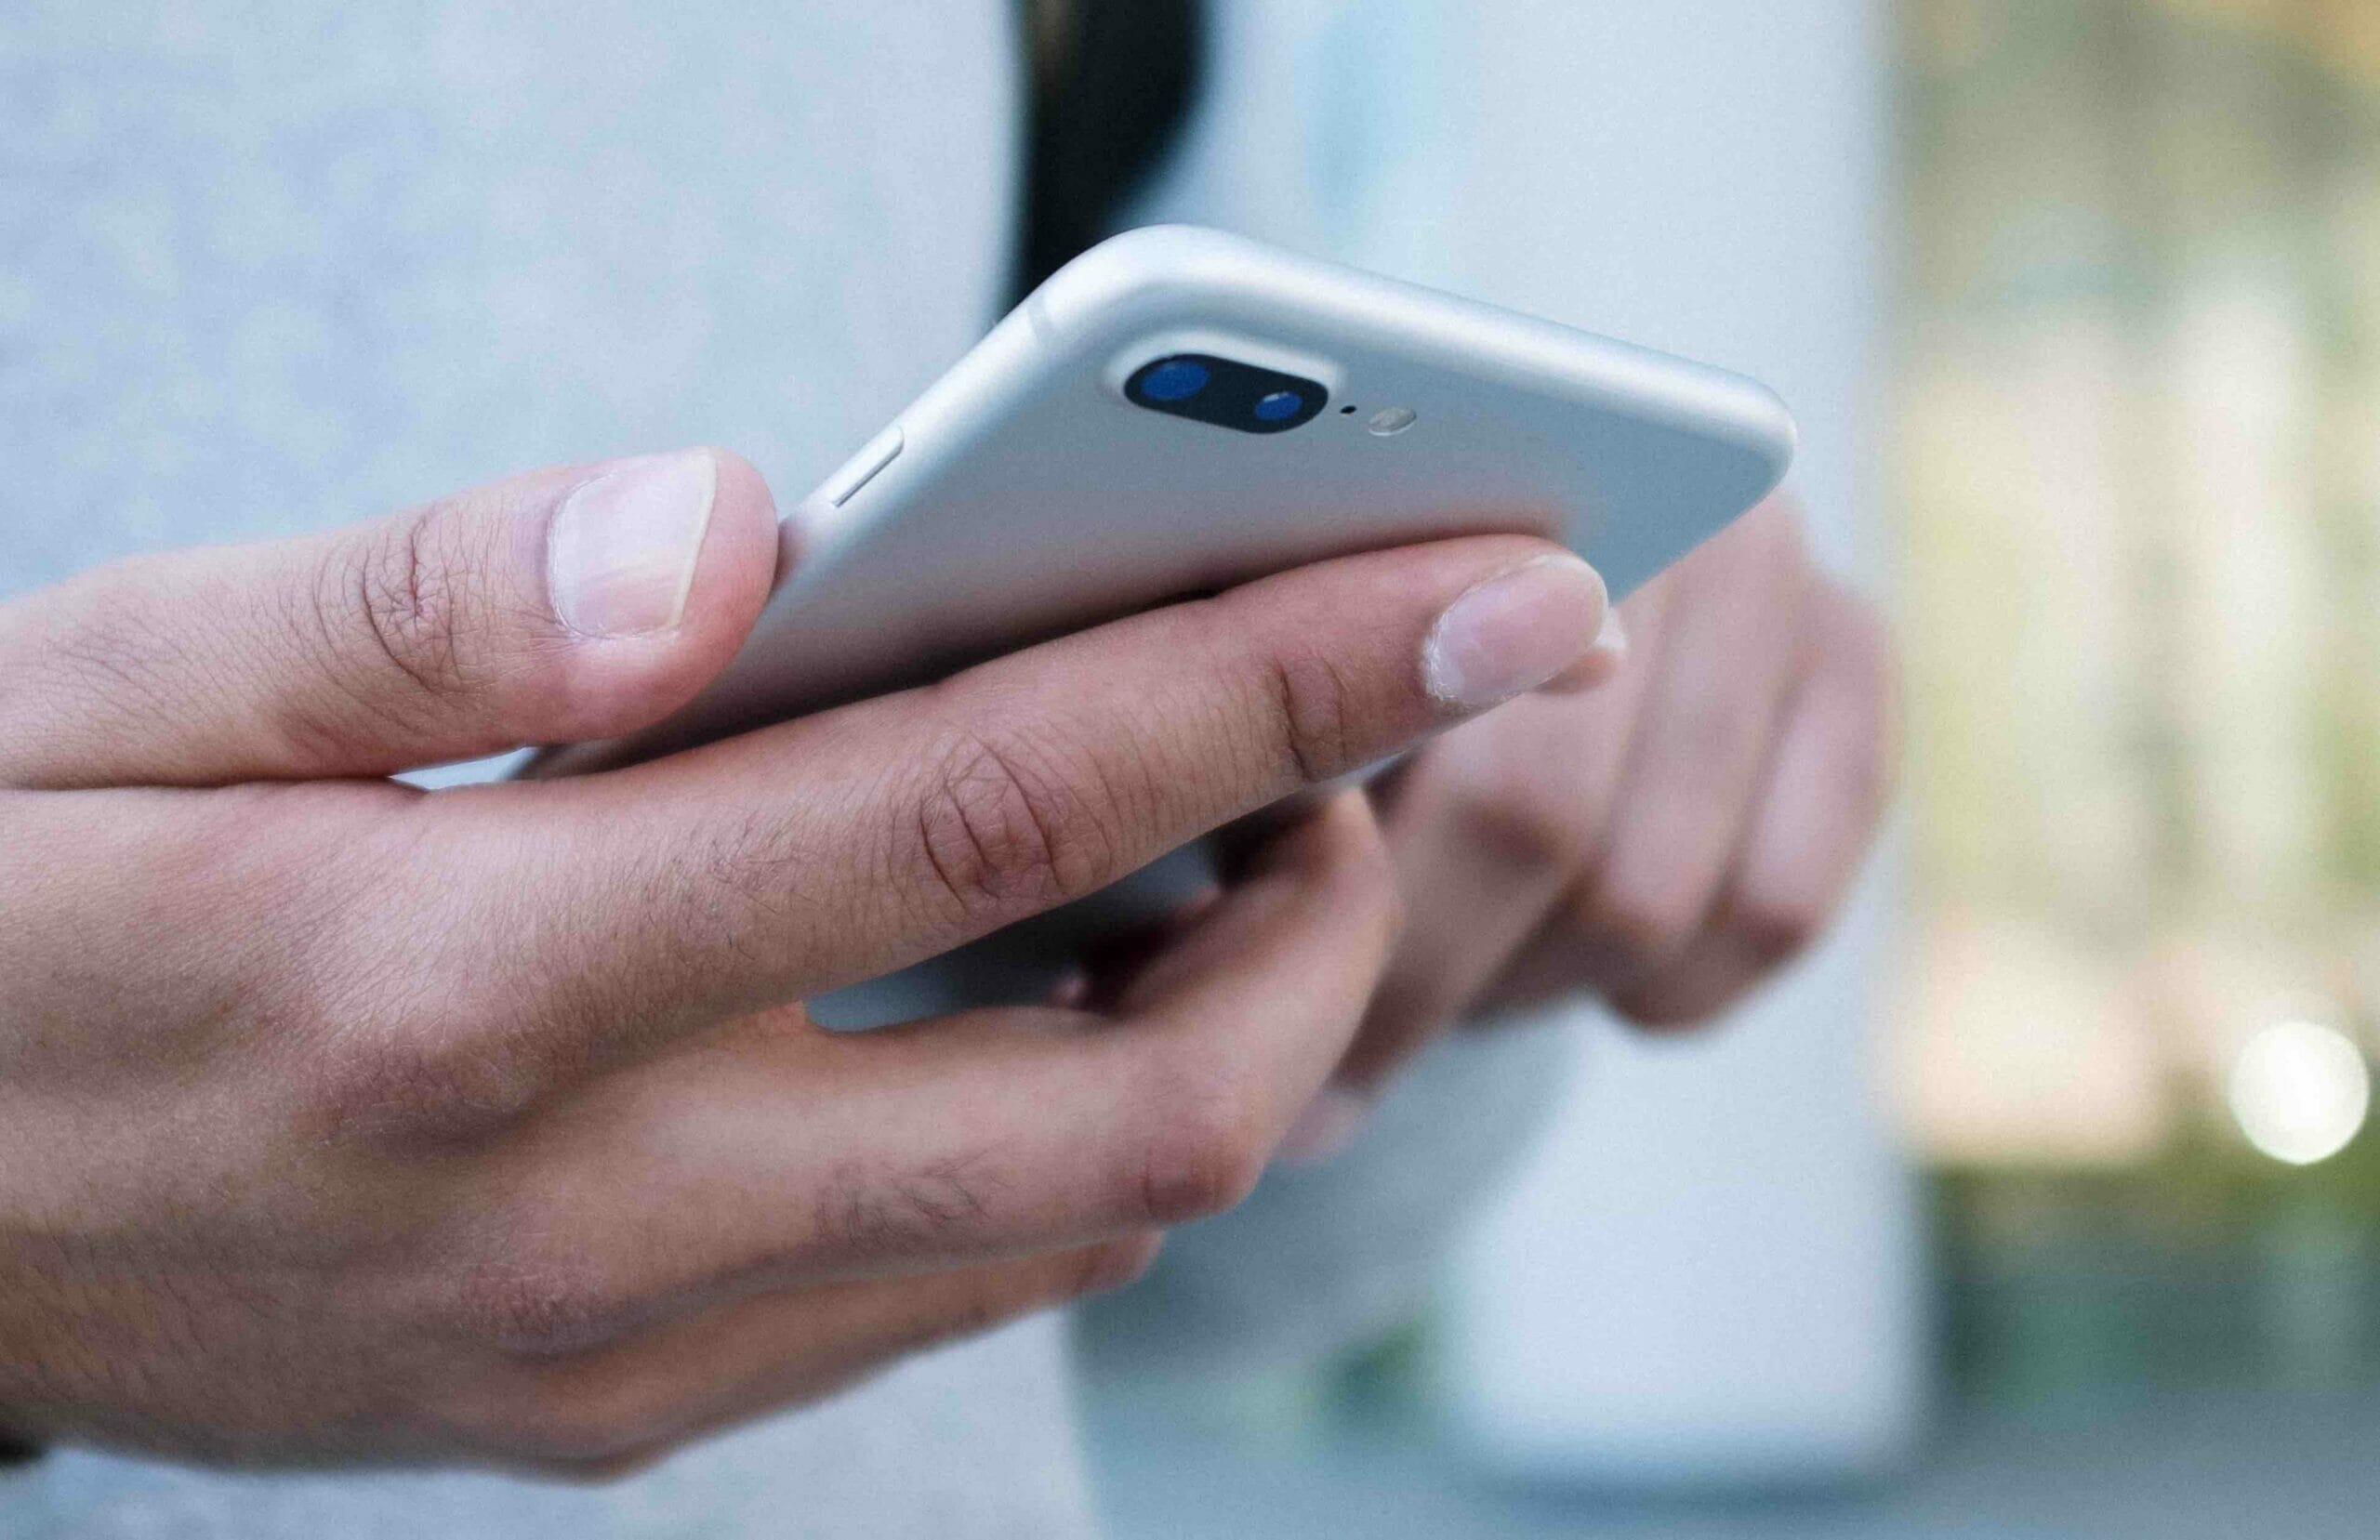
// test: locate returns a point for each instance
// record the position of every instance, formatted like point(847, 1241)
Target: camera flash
point(1391, 419)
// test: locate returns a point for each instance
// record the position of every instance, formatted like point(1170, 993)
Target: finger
point(647, 902)
point(1825, 795)
point(612, 1408)
point(712, 1173)
point(1486, 827)
point(1727, 663)
point(1604, 662)
point(563, 604)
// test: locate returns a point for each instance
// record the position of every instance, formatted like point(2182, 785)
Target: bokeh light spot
point(2300, 1091)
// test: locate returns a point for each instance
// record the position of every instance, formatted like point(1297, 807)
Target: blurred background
point(2039, 1203)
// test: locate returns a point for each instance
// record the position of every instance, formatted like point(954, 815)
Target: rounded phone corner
point(1743, 414)
point(1771, 433)
point(1150, 259)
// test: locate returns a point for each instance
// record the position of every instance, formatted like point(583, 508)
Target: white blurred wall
point(1711, 1274)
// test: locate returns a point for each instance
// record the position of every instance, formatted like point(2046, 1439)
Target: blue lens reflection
point(1279, 406)
point(1175, 380)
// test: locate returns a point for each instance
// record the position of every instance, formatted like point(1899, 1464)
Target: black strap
point(1112, 82)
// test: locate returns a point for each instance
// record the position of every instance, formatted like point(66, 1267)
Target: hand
point(1667, 835)
point(342, 1121)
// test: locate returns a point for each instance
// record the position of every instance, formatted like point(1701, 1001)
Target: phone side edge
point(1161, 268)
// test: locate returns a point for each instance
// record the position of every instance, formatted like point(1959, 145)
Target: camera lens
point(1279, 406)
point(1225, 392)
point(1175, 380)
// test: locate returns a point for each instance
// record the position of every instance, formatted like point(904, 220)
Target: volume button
point(862, 467)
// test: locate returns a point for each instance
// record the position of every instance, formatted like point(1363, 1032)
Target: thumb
point(568, 604)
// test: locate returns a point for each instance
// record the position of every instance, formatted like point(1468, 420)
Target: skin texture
point(345, 1122)
point(342, 1121)
point(1668, 834)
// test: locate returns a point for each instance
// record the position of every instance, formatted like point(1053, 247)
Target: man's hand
point(344, 1121)
point(1667, 835)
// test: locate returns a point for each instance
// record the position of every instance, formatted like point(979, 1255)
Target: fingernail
point(1323, 1131)
point(1509, 633)
point(1611, 642)
point(620, 555)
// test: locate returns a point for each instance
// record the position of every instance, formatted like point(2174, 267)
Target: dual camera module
point(1226, 393)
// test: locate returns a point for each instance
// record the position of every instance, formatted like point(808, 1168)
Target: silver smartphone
point(1174, 412)
point(1179, 410)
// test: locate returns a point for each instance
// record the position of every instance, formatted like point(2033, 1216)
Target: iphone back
point(1178, 410)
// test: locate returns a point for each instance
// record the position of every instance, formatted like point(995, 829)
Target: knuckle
point(543, 1304)
point(1205, 1148)
point(1314, 703)
point(1641, 923)
point(1776, 927)
point(400, 597)
point(1517, 821)
point(1001, 826)
point(420, 1083)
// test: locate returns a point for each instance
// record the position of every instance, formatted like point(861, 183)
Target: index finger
point(635, 905)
